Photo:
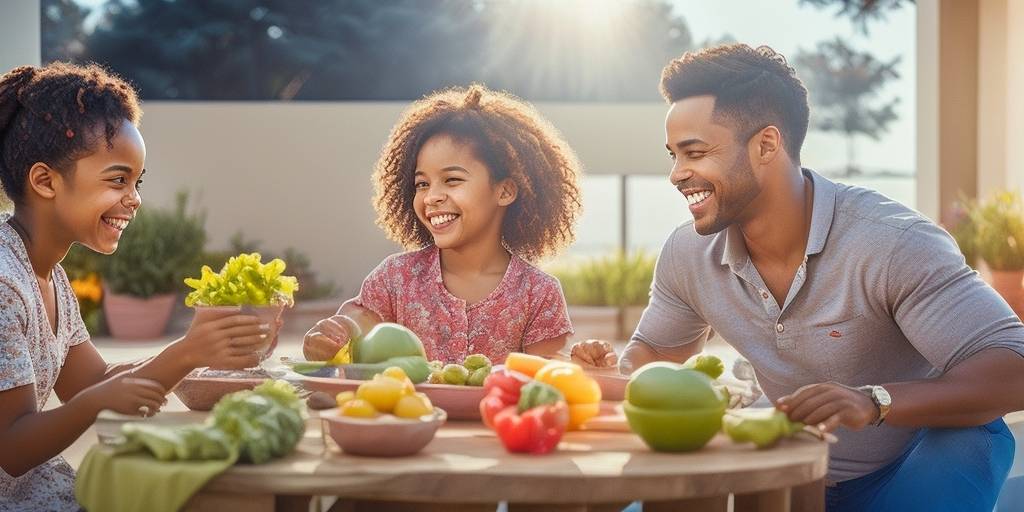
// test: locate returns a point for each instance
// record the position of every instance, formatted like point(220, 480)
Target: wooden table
point(466, 468)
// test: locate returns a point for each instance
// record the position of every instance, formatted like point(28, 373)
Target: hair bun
point(473, 95)
point(10, 87)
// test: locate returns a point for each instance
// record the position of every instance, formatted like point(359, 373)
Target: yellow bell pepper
point(581, 392)
point(580, 413)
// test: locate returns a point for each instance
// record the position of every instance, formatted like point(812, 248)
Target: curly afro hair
point(512, 139)
point(753, 88)
point(56, 114)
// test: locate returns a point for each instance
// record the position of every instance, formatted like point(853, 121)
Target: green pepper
point(763, 427)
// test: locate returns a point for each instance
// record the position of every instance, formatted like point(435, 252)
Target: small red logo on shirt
point(836, 334)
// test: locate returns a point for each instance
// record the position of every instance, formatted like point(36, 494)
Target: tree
point(386, 49)
point(861, 12)
point(843, 85)
point(62, 24)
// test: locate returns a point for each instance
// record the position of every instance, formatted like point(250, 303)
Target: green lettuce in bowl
point(246, 283)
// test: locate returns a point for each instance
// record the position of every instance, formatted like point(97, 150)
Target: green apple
point(385, 341)
point(663, 385)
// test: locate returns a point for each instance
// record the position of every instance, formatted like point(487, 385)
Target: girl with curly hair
point(476, 184)
point(71, 161)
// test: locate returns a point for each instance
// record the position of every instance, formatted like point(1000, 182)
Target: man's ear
point(507, 192)
point(43, 180)
point(766, 145)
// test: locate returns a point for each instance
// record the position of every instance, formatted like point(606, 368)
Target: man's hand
point(828, 406)
point(596, 353)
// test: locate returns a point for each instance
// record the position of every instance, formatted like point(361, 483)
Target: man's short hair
point(753, 88)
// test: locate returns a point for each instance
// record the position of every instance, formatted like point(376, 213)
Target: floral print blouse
point(30, 353)
point(526, 307)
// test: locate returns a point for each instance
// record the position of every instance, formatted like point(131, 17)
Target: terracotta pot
point(132, 318)
point(270, 315)
point(1010, 284)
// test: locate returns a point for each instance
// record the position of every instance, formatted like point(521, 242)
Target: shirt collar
point(823, 206)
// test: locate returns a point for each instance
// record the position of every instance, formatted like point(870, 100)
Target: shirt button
point(779, 328)
point(764, 294)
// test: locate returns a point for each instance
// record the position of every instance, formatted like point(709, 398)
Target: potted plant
point(82, 267)
point(143, 277)
point(245, 281)
point(999, 240)
point(607, 295)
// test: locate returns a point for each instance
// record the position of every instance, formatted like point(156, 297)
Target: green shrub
point(157, 250)
point(615, 280)
point(998, 223)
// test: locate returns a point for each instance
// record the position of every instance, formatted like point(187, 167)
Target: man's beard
point(743, 188)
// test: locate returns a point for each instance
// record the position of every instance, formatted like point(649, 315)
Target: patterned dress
point(31, 354)
point(526, 307)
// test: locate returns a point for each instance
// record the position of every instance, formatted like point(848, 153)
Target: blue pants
point(955, 469)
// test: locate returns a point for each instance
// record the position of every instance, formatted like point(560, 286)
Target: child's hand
point(224, 338)
point(594, 353)
point(327, 337)
point(126, 394)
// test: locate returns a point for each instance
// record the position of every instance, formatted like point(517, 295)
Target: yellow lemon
point(357, 408)
point(344, 396)
point(413, 406)
point(382, 392)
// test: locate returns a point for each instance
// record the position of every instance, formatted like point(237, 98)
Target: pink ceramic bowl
point(202, 393)
point(385, 436)
point(460, 402)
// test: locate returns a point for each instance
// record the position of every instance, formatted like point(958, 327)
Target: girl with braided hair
point(476, 184)
point(71, 161)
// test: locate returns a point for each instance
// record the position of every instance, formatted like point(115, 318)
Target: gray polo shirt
point(883, 296)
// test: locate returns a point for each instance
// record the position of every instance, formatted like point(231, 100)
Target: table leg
point(709, 504)
point(288, 503)
point(570, 507)
point(809, 497)
point(776, 500)
point(608, 507)
point(533, 507)
point(221, 501)
point(408, 506)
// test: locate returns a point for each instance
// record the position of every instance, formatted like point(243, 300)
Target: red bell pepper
point(501, 389)
point(528, 416)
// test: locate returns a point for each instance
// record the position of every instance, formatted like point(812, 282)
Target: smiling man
point(857, 313)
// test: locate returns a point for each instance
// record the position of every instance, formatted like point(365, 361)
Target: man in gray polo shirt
point(857, 313)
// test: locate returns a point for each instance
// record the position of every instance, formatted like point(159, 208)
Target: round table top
point(466, 463)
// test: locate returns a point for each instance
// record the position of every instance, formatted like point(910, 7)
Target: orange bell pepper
point(525, 364)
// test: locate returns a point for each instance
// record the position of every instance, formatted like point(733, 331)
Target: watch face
point(882, 396)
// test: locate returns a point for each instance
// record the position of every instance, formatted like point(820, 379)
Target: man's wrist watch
point(882, 400)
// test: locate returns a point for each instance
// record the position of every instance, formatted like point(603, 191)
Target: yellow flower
point(88, 288)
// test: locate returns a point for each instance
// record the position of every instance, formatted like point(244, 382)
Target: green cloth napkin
point(138, 481)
